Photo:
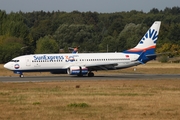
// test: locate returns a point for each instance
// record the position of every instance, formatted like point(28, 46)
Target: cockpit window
point(14, 61)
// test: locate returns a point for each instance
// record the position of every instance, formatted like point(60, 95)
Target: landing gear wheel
point(90, 74)
point(21, 75)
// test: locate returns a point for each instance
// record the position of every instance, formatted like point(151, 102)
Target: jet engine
point(77, 70)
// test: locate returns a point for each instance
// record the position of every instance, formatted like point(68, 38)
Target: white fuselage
point(48, 62)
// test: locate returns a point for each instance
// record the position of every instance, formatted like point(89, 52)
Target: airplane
point(82, 64)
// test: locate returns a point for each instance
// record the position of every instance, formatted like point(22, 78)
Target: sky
point(100, 6)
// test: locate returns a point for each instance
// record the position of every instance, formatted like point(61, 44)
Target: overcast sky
point(101, 6)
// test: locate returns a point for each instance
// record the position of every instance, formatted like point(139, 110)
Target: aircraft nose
point(7, 66)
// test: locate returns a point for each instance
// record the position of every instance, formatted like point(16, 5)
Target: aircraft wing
point(108, 66)
point(94, 67)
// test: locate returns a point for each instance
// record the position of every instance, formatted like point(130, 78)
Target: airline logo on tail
point(152, 34)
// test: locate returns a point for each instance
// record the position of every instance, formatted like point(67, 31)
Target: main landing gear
point(90, 74)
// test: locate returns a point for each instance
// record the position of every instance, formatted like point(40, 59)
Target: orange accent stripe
point(137, 50)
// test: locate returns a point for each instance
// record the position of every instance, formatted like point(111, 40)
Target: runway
point(98, 77)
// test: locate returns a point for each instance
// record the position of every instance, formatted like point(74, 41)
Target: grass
point(94, 100)
point(81, 105)
point(97, 100)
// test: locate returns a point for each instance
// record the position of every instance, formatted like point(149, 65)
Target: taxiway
point(98, 77)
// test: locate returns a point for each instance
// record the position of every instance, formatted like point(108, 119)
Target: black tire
point(90, 74)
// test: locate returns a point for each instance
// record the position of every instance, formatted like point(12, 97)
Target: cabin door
point(28, 62)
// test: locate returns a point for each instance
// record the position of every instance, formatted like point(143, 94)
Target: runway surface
point(98, 77)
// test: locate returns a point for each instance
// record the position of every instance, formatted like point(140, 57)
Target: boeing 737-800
point(85, 63)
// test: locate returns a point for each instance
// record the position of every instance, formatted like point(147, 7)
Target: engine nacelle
point(77, 70)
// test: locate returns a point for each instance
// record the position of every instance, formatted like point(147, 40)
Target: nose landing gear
point(21, 75)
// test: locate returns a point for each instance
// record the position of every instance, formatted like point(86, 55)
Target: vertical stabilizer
point(148, 42)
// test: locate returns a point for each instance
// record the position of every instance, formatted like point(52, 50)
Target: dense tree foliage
point(10, 47)
point(46, 45)
point(47, 32)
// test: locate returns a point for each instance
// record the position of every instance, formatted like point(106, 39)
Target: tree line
point(49, 32)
